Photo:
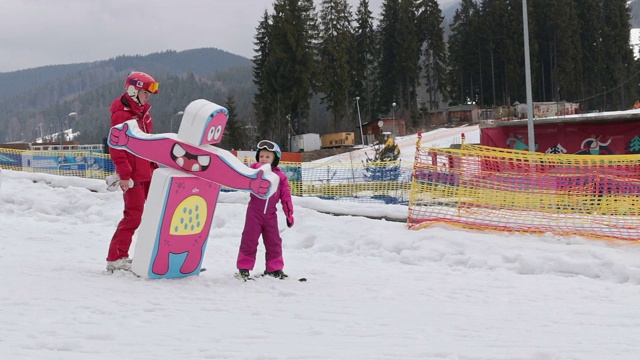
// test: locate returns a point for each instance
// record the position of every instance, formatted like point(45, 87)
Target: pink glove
point(119, 137)
point(260, 186)
point(287, 207)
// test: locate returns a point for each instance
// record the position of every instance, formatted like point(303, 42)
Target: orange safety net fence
point(486, 188)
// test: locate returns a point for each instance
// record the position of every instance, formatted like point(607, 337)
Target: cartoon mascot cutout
point(184, 191)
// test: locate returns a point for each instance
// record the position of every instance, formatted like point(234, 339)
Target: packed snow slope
point(375, 290)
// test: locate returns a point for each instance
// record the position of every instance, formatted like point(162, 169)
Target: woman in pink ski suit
point(264, 221)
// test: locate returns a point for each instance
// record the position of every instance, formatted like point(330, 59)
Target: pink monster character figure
point(183, 194)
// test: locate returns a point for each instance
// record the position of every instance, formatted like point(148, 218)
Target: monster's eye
point(214, 133)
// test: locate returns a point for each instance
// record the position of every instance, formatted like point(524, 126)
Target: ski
point(112, 271)
point(302, 279)
point(243, 278)
point(253, 278)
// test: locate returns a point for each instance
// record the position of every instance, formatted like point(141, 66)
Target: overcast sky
point(44, 32)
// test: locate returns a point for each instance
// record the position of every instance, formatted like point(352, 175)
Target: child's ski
point(112, 271)
point(253, 278)
point(302, 279)
point(243, 278)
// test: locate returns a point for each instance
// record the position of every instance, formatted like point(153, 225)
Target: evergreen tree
point(463, 52)
point(493, 17)
point(568, 52)
point(365, 59)
point(409, 60)
point(388, 72)
point(234, 132)
point(513, 52)
point(267, 107)
point(284, 69)
point(590, 29)
point(560, 52)
point(434, 52)
point(335, 53)
point(399, 66)
point(618, 56)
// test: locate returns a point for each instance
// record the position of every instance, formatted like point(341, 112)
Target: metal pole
point(62, 126)
point(393, 117)
point(527, 68)
point(360, 120)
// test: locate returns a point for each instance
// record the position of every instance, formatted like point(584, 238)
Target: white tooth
point(178, 151)
point(204, 160)
point(195, 167)
point(180, 161)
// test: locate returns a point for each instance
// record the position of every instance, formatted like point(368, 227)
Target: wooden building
point(464, 114)
point(396, 126)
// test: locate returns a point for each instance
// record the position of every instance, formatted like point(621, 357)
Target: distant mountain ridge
point(34, 101)
point(202, 62)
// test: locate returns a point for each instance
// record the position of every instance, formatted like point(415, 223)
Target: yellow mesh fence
point(487, 188)
point(370, 182)
point(87, 164)
point(379, 182)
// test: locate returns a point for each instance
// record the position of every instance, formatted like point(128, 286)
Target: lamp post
point(176, 114)
point(62, 121)
point(527, 73)
point(393, 117)
point(360, 120)
point(41, 133)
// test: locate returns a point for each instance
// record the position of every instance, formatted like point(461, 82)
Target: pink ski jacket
point(283, 194)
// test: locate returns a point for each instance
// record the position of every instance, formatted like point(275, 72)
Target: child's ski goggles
point(271, 146)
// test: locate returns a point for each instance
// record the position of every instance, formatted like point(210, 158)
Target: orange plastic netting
point(488, 188)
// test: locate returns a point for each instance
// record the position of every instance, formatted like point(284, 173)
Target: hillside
point(41, 97)
point(204, 62)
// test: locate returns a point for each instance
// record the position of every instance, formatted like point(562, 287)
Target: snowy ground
point(376, 290)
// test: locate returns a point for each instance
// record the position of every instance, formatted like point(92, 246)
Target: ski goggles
point(151, 87)
point(271, 146)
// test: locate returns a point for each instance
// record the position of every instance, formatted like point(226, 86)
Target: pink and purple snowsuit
point(258, 222)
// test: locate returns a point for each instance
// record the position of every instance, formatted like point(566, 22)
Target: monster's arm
point(227, 170)
point(223, 168)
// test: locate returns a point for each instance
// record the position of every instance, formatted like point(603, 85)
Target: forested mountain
point(36, 101)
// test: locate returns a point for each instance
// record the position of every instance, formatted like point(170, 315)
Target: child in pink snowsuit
point(264, 221)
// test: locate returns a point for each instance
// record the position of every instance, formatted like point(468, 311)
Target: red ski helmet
point(138, 80)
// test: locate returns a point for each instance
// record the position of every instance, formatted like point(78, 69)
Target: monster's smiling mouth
point(189, 162)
